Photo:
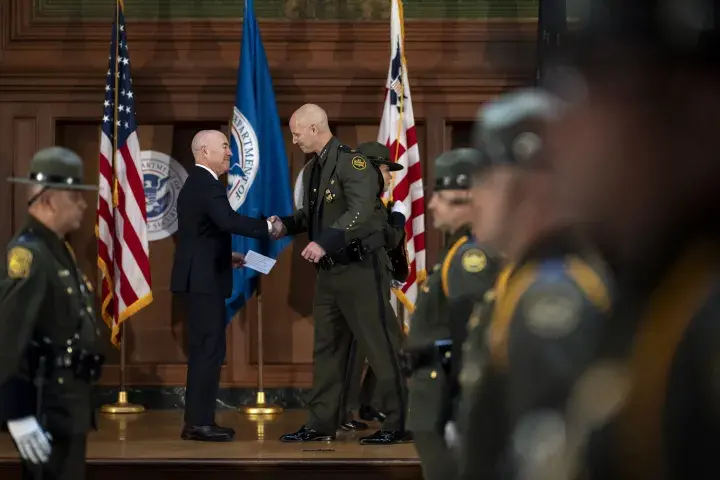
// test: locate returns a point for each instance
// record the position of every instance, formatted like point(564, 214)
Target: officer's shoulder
point(23, 254)
point(577, 274)
point(350, 158)
point(27, 240)
point(472, 258)
point(347, 150)
point(551, 304)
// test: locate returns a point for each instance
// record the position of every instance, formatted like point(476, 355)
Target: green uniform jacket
point(431, 385)
point(394, 226)
point(43, 294)
point(347, 202)
point(668, 426)
point(545, 329)
point(470, 280)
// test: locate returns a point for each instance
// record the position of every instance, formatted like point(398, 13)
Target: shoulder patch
point(474, 260)
point(359, 163)
point(19, 261)
point(554, 311)
point(346, 149)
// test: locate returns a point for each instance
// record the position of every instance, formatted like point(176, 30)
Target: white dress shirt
point(216, 178)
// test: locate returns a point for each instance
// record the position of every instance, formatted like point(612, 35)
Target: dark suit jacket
point(203, 251)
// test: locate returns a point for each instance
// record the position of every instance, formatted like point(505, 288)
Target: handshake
point(312, 252)
point(278, 228)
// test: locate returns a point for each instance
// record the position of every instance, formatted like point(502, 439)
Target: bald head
point(201, 140)
point(310, 129)
point(212, 149)
point(310, 114)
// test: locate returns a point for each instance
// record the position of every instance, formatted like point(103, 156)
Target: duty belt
point(439, 352)
point(354, 251)
point(83, 364)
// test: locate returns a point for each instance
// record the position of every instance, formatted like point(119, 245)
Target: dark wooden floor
point(148, 446)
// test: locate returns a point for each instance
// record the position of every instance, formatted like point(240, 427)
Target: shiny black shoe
point(353, 426)
point(206, 433)
point(229, 430)
point(370, 414)
point(306, 434)
point(387, 437)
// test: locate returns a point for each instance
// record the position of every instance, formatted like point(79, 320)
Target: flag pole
point(260, 407)
point(122, 405)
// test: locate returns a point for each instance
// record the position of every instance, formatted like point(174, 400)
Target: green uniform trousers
point(359, 390)
point(67, 460)
point(435, 456)
point(353, 302)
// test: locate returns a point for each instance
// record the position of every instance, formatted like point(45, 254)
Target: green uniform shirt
point(44, 295)
point(346, 207)
point(432, 322)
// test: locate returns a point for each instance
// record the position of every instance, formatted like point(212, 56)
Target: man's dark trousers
point(206, 354)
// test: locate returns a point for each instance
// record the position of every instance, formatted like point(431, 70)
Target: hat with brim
point(55, 167)
point(378, 154)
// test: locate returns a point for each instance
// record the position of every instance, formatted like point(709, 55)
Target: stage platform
point(148, 446)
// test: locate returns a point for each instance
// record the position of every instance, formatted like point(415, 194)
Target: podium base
point(122, 406)
point(260, 407)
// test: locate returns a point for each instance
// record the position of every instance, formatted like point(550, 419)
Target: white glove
point(32, 441)
point(452, 436)
point(396, 283)
point(399, 207)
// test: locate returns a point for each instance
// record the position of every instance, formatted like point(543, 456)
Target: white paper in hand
point(259, 263)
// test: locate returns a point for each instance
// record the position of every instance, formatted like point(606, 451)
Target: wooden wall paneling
point(25, 129)
point(7, 169)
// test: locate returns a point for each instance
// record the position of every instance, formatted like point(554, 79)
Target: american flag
point(397, 131)
point(121, 229)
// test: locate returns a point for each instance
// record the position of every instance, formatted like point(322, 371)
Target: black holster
point(354, 251)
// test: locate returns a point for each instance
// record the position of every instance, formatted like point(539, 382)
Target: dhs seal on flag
point(244, 166)
point(163, 177)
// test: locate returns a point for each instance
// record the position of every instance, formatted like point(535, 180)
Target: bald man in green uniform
point(49, 352)
point(429, 344)
point(352, 297)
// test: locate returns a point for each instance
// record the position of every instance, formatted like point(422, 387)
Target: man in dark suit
point(202, 273)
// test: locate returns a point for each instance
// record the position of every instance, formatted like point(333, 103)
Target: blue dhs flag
point(259, 177)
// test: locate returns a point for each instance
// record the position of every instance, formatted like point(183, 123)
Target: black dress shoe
point(229, 430)
point(207, 433)
point(370, 414)
point(387, 437)
point(306, 434)
point(353, 425)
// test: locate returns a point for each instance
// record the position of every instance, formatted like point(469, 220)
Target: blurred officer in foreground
point(637, 158)
point(48, 331)
point(429, 343)
point(528, 350)
point(359, 390)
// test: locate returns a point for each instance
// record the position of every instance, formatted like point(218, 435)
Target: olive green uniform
point(667, 336)
point(545, 329)
point(49, 349)
point(352, 297)
point(359, 390)
point(429, 345)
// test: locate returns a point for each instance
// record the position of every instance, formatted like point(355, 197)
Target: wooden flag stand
point(122, 406)
point(260, 408)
